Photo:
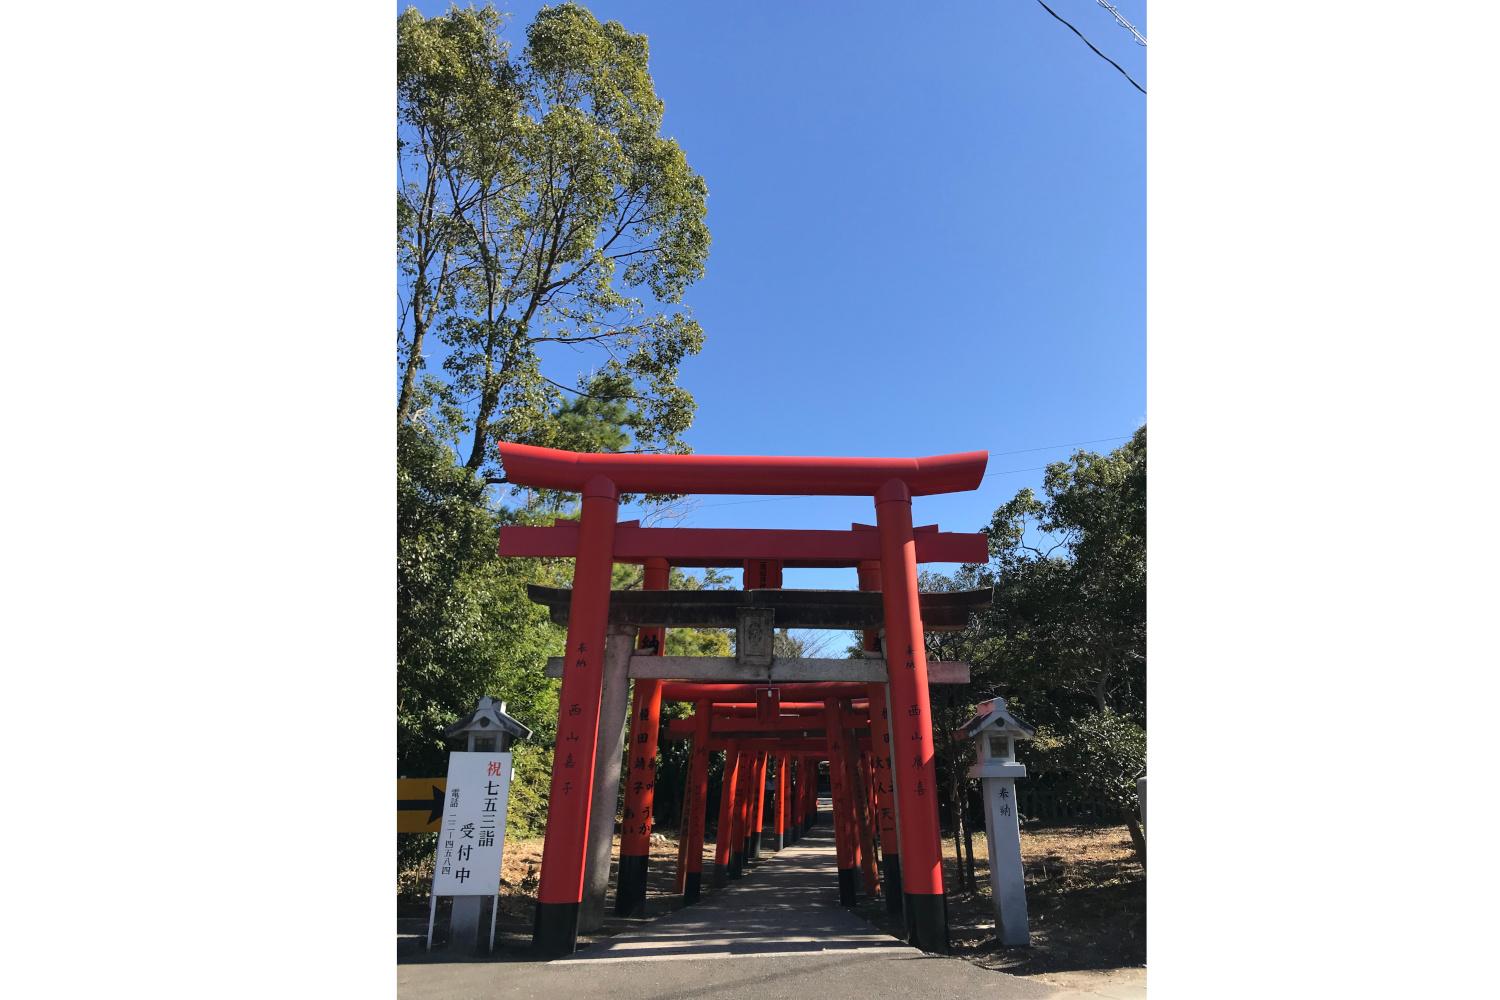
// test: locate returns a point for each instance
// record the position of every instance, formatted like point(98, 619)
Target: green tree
point(1102, 753)
point(1070, 569)
point(456, 104)
point(572, 221)
point(537, 204)
point(464, 627)
point(698, 641)
point(464, 624)
point(1064, 639)
point(784, 645)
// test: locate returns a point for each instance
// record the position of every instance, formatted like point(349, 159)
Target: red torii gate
point(804, 732)
point(721, 547)
point(599, 479)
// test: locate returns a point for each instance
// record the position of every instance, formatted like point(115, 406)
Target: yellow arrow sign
point(419, 804)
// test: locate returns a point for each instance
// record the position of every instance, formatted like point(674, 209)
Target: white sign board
point(472, 837)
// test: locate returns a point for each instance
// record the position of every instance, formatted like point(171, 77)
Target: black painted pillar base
point(927, 922)
point(736, 865)
point(692, 888)
point(630, 887)
point(770, 841)
point(752, 848)
point(556, 929)
point(890, 867)
point(848, 886)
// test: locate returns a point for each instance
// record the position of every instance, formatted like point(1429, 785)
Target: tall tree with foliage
point(464, 624)
point(579, 225)
point(1070, 608)
point(456, 106)
point(1064, 639)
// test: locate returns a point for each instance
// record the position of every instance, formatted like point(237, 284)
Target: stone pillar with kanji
point(995, 731)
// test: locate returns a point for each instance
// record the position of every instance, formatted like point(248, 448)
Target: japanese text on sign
point(473, 832)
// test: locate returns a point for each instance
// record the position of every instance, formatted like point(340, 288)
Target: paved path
point(779, 932)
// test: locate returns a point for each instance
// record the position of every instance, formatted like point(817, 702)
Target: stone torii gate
point(598, 541)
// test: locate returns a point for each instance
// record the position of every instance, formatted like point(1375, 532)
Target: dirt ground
point(1086, 902)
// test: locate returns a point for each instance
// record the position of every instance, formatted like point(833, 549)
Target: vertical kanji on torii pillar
point(880, 764)
point(640, 786)
point(560, 892)
point(912, 763)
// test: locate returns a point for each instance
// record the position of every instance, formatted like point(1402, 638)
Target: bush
point(527, 816)
point(1102, 753)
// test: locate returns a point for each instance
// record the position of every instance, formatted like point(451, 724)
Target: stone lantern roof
point(993, 716)
point(488, 717)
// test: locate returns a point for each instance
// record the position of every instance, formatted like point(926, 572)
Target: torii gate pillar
point(725, 856)
point(640, 794)
point(912, 762)
point(697, 799)
point(845, 832)
point(880, 761)
point(779, 807)
point(560, 893)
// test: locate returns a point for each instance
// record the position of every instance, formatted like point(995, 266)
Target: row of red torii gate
point(868, 720)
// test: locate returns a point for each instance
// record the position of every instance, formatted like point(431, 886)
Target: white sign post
point(471, 842)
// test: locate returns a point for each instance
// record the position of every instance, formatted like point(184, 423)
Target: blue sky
point(928, 236)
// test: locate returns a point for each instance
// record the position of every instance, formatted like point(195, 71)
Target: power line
point(1091, 45)
point(1012, 472)
point(1071, 444)
point(1140, 38)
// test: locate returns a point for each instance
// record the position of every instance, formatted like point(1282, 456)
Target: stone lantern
point(488, 729)
point(995, 730)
